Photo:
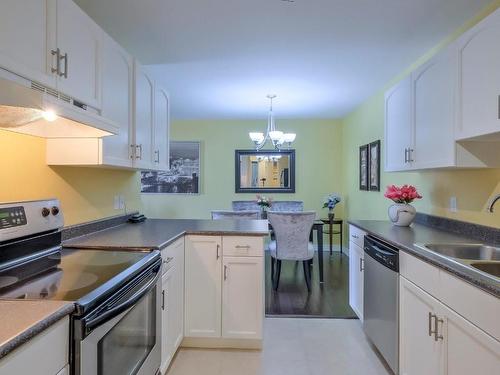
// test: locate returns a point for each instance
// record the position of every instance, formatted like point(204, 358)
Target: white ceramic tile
point(291, 347)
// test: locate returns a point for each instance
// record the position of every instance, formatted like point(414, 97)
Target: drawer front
point(357, 235)
point(46, 353)
point(419, 272)
point(172, 251)
point(243, 246)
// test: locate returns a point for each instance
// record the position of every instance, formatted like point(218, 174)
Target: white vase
point(402, 214)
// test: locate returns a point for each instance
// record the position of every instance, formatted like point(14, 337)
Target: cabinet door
point(79, 40)
point(434, 88)
point(176, 298)
point(356, 255)
point(166, 315)
point(25, 46)
point(419, 353)
point(161, 130)
point(468, 348)
point(242, 297)
point(398, 126)
point(117, 86)
point(203, 273)
point(143, 119)
point(479, 88)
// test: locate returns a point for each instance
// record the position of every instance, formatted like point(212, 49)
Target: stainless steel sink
point(492, 268)
point(466, 251)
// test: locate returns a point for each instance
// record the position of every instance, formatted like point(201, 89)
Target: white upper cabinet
point(434, 88)
point(454, 96)
point(79, 42)
point(117, 89)
point(143, 118)
point(479, 78)
point(27, 36)
point(398, 126)
point(52, 42)
point(161, 129)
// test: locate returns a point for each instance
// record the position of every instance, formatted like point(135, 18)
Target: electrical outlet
point(453, 204)
point(116, 202)
point(121, 202)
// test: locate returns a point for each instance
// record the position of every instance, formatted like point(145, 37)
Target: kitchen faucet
point(492, 203)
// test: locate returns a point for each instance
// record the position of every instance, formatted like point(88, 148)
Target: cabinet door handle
point(57, 69)
point(132, 151)
point(225, 272)
point(361, 268)
point(138, 155)
point(406, 155)
point(218, 247)
point(354, 236)
point(437, 320)
point(430, 324)
point(410, 157)
point(157, 156)
point(163, 300)
point(65, 58)
point(499, 107)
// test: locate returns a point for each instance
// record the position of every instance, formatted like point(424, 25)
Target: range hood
point(31, 108)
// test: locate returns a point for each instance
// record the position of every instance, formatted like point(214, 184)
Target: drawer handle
point(243, 246)
point(361, 267)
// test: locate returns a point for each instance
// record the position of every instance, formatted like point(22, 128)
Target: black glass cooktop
point(71, 274)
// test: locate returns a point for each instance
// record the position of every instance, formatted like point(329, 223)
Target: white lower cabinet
point(437, 340)
point(45, 354)
point(356, 270)
point(224, 294)
point(202, 312)
point(166, 289)
point(172, 302)
point(242, 295)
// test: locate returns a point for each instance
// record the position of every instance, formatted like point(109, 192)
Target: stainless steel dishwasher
point(381, 299)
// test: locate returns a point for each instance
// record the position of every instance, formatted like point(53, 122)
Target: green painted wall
point(318, 165)
point(473, 188)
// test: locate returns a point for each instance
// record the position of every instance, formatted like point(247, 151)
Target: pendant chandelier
point(277, 138)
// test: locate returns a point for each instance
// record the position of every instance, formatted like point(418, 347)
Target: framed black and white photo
point(183, 176)
point(363, 167)
point(374, 157)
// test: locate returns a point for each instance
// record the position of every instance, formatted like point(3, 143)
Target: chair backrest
point(238, 215)
point(290, 206)
point(292, 230)
point(245, 206)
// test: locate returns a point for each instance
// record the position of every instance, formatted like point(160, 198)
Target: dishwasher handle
point(383, 253)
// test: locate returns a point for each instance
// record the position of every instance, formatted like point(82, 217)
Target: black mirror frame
point(237, 171)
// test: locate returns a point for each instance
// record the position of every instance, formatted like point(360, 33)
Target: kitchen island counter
point(159, 233)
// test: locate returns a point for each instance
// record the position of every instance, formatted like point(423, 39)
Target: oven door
point(128, 343)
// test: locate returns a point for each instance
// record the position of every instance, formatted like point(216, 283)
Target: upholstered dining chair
point(291, 230)
point(235, 215)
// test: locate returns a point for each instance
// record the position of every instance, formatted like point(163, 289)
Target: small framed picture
point(374, 165)
point(363, 167)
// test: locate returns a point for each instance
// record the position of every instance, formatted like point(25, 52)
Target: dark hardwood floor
point(327, 300)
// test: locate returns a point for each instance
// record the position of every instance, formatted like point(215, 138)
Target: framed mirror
point(265, 171)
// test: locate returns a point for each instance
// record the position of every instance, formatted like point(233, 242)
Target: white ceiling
point(219, 58)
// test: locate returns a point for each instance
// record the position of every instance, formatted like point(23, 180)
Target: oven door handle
point(118, 309)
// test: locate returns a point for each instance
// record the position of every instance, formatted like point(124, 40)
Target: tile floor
point(291, 347)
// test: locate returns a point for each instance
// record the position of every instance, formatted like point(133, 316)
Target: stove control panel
point(19, 219)
point(12, 217)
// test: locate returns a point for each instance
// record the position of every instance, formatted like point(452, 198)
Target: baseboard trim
point(221, 343)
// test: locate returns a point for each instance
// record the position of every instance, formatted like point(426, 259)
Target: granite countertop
point(159, 233)
point(405, 239)
point(24, 319)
